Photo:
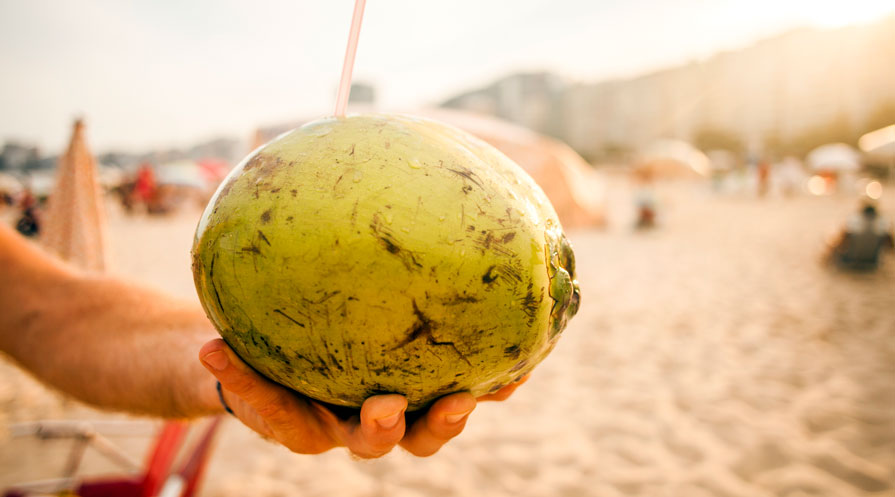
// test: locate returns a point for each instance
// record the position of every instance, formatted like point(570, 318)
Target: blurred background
point(725, 170)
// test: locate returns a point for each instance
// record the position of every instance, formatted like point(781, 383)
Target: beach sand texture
point(713, 356)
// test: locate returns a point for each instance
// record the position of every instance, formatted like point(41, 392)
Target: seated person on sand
point(116, 345)
point(865, 235)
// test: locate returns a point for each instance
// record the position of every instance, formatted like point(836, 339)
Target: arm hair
point(102, 340)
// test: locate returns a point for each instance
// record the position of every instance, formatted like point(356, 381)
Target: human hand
point(307, 427)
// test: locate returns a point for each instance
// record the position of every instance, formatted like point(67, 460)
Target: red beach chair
point(157, 478)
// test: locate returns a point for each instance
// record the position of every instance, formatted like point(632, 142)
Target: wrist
point(223, 401)
point(199, 396)
point(210, 401)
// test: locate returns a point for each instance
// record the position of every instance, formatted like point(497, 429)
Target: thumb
point(261, 394)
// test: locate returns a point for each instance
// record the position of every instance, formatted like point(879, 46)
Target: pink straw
point(348, 66)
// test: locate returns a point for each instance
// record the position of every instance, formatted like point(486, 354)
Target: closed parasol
point(75, 224)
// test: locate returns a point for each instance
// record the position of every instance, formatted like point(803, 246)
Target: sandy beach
point(713, 356)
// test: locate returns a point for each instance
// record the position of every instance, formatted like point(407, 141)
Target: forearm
point(103, 341)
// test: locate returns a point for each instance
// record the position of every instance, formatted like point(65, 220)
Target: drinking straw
point(350, 51)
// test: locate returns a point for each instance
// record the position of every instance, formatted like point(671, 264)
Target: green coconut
point(384, 254)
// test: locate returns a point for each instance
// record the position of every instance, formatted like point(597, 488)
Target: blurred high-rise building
point(780, 87)
point(362, 93)
point(18, 157)
point(531, 99)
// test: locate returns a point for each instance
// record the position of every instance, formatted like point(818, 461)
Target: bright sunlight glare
point(874, 190)
point(817, 185)
point(834, 13)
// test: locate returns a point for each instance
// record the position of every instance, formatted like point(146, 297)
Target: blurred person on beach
point(763, 176)
point(143, 191)
point(645, 202)
point(28, 223)
point(860, 243)
point(145, 187)
point(117, 345)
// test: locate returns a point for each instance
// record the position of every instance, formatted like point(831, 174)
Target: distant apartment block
point(783, 85)
point(534, 100)
point(17, 157)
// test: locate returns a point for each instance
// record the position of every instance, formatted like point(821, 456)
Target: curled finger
point(444, 420)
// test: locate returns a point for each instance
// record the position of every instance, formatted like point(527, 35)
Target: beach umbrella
point(575, 190)
point(879, 144)
point(834, 157)
point(671, 159)
point(213, 170)
point(74, 227)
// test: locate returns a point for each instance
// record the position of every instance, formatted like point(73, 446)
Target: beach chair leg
point(157, 469)
point(193, 468)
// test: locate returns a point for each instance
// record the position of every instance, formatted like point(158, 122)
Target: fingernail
point(456, 418)
point(389, 422)
point(217, 360)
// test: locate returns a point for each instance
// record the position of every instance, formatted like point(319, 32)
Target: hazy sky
point(157, 73)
